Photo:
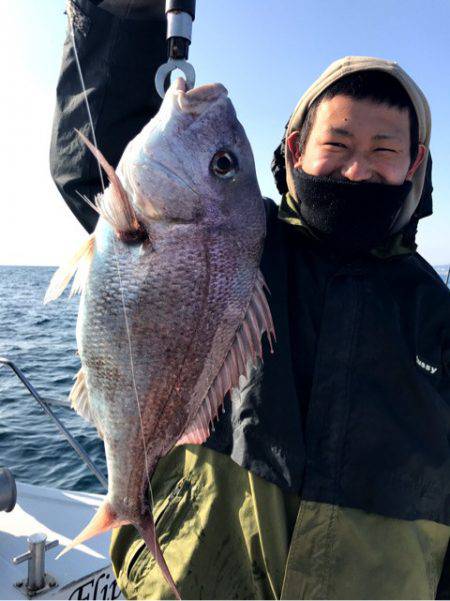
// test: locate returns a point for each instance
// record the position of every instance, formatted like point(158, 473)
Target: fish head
point(192, 162)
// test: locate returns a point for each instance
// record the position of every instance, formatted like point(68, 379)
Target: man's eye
point(335, 144)
point(385, 150)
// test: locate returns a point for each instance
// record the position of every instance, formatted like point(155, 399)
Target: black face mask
point(349, 216)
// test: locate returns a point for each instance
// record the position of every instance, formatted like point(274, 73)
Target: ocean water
point(40, 339)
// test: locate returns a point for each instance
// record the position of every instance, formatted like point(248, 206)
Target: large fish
point(173, 304)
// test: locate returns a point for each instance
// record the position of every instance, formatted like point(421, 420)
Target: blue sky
point(266, 52)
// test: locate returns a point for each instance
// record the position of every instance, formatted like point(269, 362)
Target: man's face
point(358, 140)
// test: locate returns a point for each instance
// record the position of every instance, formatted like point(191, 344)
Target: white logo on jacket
point(425, 366)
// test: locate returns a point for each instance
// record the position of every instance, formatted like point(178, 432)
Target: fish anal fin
point(245, 351)
point(79, 265)
point(103, 520)
point(79, 398)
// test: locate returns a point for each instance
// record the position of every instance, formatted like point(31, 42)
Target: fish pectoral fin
point(114, 205)
point(103, 520)
point(195, 433)
point(78, 265)
point(80, 402)
point(245, 351)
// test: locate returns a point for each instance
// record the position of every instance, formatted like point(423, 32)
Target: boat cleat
point(37, 581)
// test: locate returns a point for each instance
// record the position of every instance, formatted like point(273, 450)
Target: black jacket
point(355, 402)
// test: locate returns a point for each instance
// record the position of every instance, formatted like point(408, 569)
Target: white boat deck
point(83, 573)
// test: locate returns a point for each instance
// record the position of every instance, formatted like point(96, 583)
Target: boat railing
point(45, 406)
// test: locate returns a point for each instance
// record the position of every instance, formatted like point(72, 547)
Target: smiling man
point(328, 475)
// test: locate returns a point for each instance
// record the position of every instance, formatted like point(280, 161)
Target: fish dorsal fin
point(79, 264)
point(244, 353)
point(80, 400)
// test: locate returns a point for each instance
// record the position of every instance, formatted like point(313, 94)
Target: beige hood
point(350, 64)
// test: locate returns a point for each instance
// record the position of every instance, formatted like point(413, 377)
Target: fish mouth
point(179, 84)
point(195, 101)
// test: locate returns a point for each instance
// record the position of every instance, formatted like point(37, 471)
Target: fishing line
point(127, 328)
point(86, 101)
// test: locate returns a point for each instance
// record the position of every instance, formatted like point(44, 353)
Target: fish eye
point(224, 164)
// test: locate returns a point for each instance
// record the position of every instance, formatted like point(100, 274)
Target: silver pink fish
point(173, 305)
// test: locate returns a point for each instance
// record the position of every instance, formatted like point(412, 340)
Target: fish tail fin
point(104, 519)
point(80, 263)
point(147, 531)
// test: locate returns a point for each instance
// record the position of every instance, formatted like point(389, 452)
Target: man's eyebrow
point(339, 131)
point(385, 137)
